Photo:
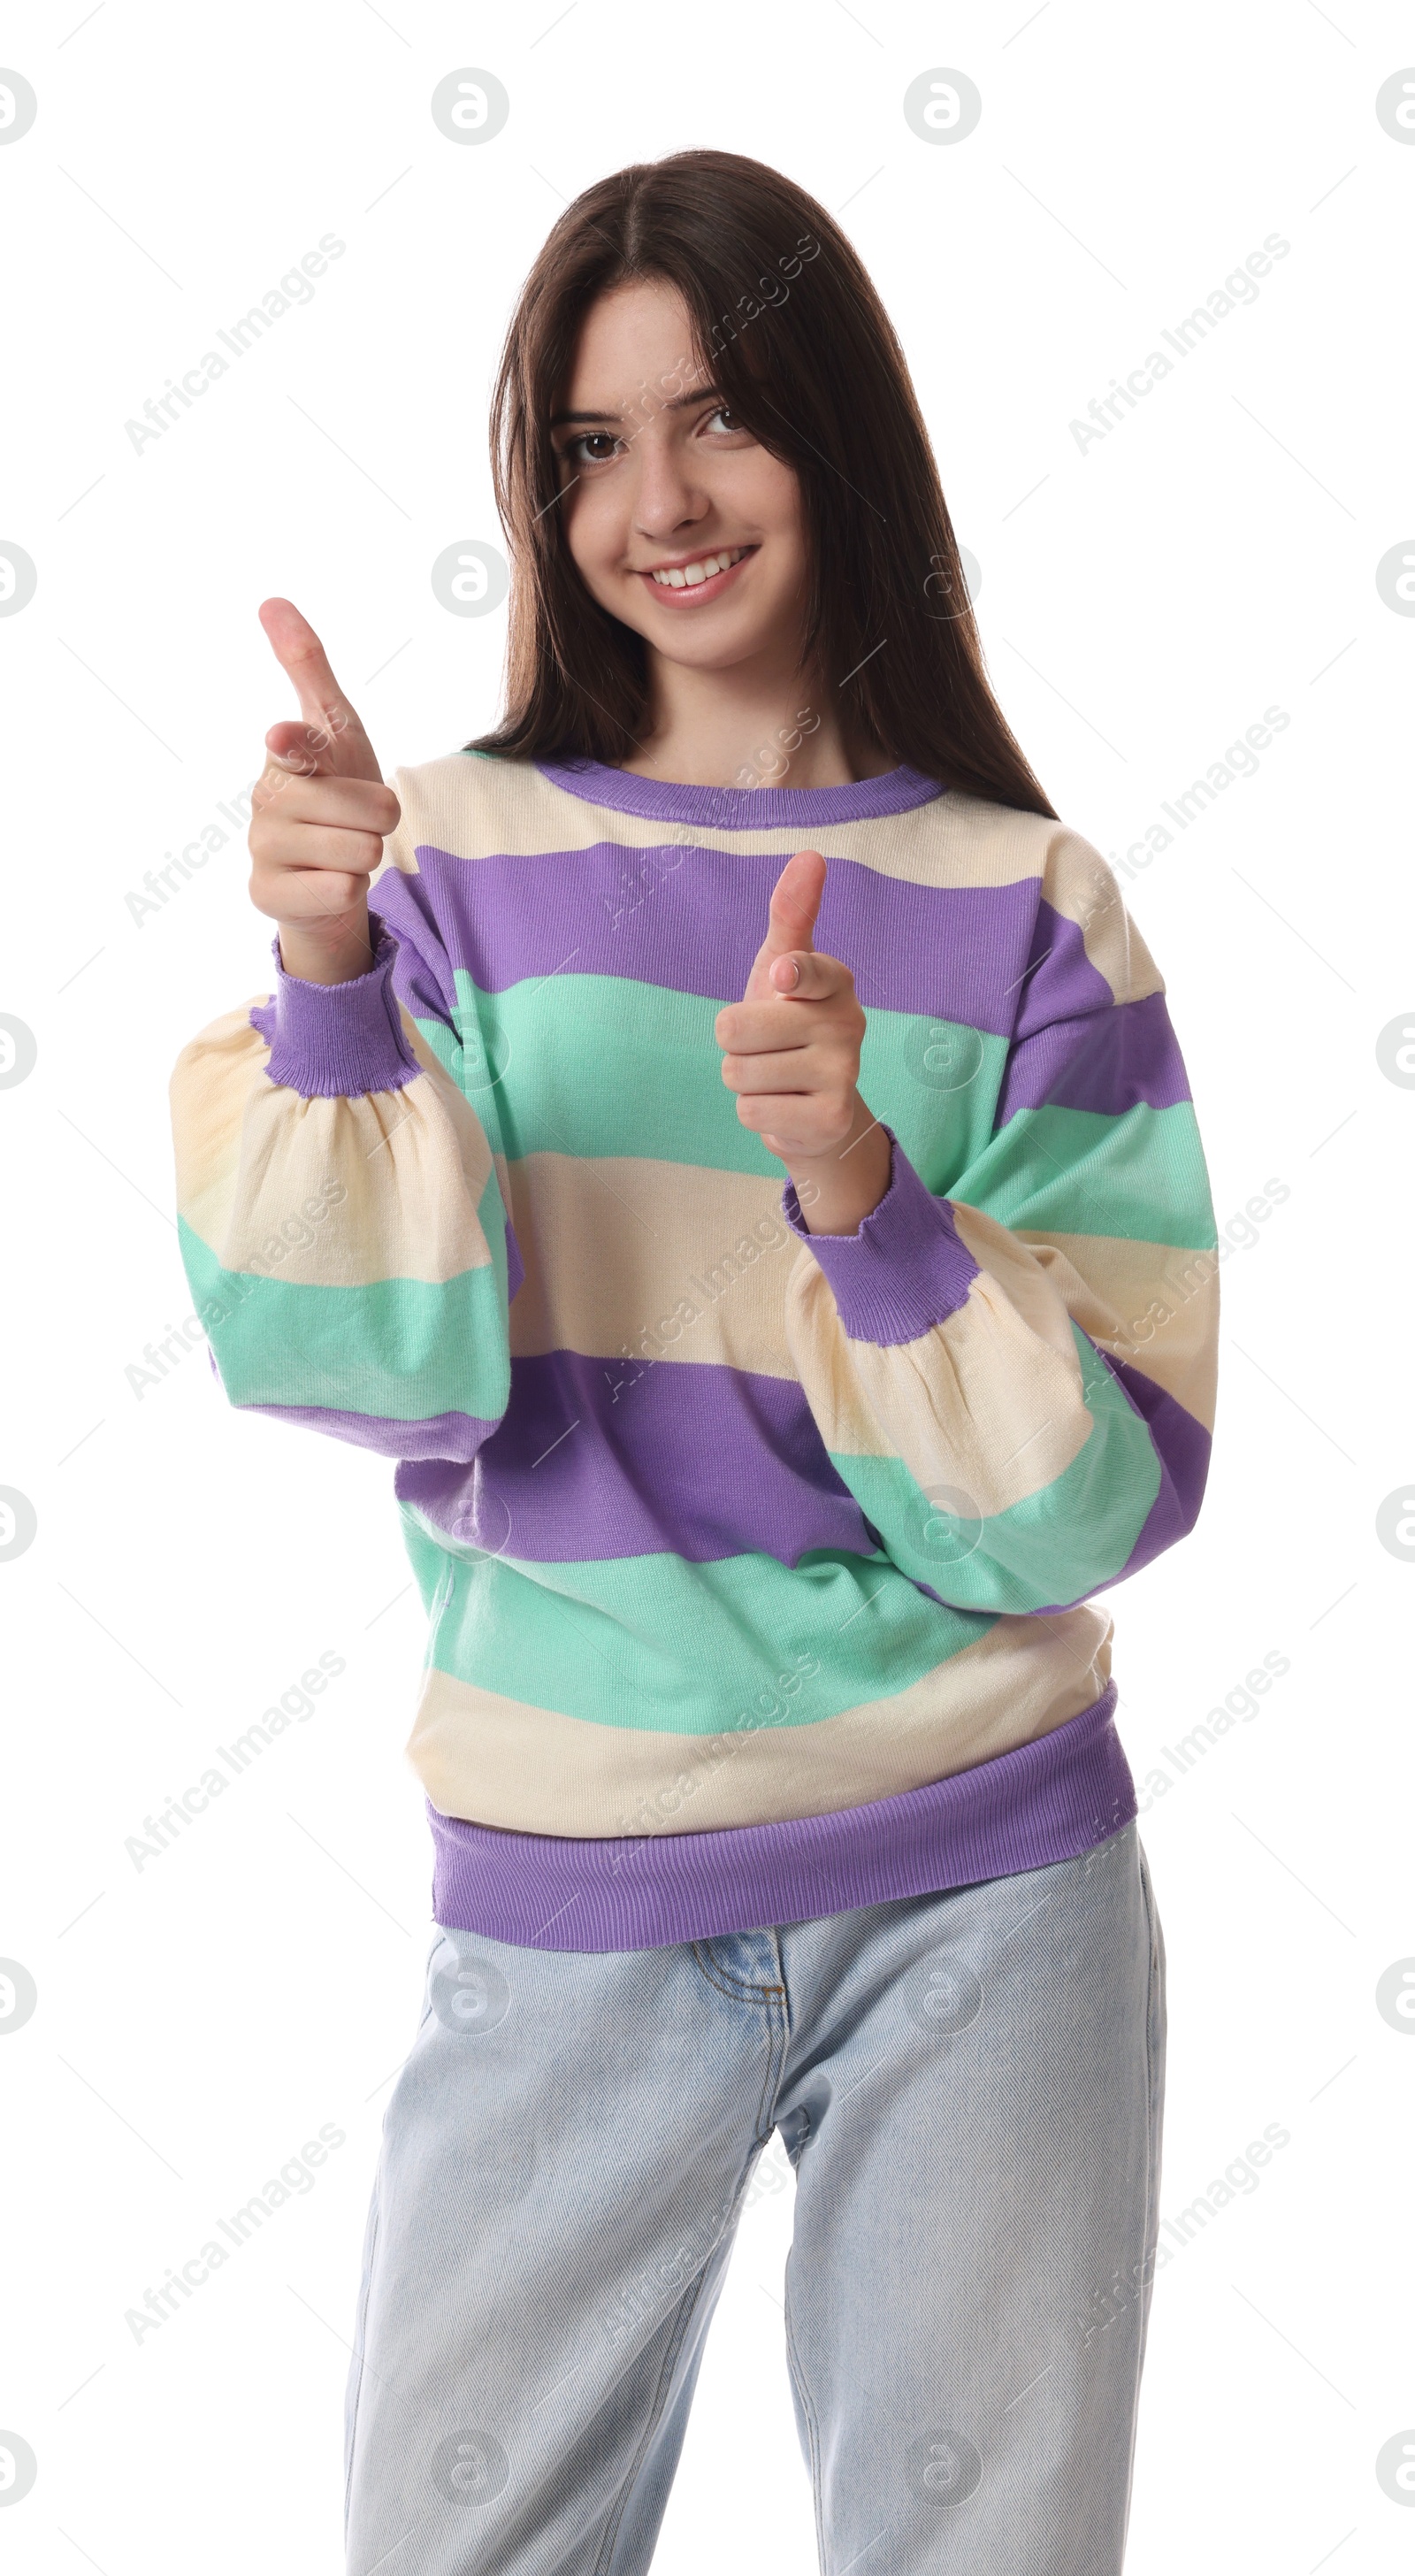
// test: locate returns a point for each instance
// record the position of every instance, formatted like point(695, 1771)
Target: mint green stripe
point(1075, 1171)
point(1055, 1546)
point(656, 1645)
point(599, 1065)
point(936, 1083)
point(428, 1558)
point(1140, 1176)
point(665, 1098)
point(468, 1051)
point(400, 1350)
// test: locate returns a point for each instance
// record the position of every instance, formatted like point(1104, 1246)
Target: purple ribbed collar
point(740, 809)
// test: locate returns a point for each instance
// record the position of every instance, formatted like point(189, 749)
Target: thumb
point(791, 922)
point(334, 734)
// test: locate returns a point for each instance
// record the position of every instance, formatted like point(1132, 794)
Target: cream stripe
point(612, 1247)
point(497, 1761)
point(1010, 1260)
point(979, 1406)
point(1109, 1285)
point(1079, 885)
point(488, 809)
point(256, 1163)
point(621, 1251)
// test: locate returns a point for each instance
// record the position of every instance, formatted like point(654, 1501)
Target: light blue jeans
point(969, 2087)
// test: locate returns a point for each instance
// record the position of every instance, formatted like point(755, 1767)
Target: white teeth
point(690, 575)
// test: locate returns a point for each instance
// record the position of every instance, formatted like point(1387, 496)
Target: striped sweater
point(757, 1563)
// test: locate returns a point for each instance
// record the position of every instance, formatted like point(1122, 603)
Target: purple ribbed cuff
point(904, 1270)
point(1044, 1801)
point(336, 1041)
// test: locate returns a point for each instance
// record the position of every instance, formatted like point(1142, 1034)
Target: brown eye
point(592, 447)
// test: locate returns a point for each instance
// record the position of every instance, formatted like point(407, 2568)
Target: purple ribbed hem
point(337, 1041)
point(741, 809)
point(1042, 1802)
point(906, 1268)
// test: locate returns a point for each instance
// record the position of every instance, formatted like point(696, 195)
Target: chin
point(714, 653)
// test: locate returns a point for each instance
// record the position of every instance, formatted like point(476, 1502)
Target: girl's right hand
point(319, 815)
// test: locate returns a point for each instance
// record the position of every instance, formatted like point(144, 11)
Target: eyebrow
point(606, 419)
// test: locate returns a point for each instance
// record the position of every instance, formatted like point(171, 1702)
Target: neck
point(749, 727)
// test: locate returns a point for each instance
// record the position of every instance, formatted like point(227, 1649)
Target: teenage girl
point(721, 1136)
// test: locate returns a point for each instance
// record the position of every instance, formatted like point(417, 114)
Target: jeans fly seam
point(777, 2037)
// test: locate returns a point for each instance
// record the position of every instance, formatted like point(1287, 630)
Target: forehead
point(638, 334)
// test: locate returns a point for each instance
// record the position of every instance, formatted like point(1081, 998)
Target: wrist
point(333, 952)
point(837, 1190)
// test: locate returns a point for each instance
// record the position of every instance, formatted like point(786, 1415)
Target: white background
point(1142, 603)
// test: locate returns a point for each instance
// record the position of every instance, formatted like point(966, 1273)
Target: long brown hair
point(792, 334)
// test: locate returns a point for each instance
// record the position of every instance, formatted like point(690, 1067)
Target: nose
point(667, 498)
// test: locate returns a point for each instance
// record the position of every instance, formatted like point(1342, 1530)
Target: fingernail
point(786, 974)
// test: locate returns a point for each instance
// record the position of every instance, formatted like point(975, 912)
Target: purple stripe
point(422, 977)
point(1043, 1802)
point(442, 1435)
point(690, 920)
point(741, 809)
point(599, 1458)
point(336, 1041)
point(1183, 1447)
point(1115, 1059)
point(1058, 981)
point(904, 1270)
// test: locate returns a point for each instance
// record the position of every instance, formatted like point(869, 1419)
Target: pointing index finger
point(323, 704)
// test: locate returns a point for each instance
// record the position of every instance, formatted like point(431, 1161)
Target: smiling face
point(678, 521)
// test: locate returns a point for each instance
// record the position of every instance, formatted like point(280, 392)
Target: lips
point(684, 584)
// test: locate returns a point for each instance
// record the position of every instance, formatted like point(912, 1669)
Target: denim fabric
point(969, 2087)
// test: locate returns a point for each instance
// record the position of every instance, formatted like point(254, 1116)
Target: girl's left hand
point(791, 1052)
